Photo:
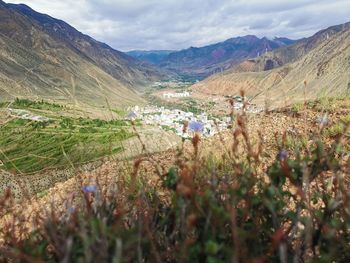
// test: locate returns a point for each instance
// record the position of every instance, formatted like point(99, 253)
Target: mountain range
point(45, 58)
point(314, 67)
point(201, 62)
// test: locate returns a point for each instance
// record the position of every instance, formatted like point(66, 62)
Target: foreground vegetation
point(28, 146)
point(236, 208)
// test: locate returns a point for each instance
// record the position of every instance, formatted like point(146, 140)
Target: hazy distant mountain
point(44, 57)
point(283, 41)
point(208, 60)
point(152, 56)
point(323, 61)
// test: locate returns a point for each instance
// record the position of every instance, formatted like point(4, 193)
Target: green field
point(28, 146)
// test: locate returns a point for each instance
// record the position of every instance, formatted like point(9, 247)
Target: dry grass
point(261, 197)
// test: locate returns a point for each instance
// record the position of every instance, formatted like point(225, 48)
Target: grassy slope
point(28, 146)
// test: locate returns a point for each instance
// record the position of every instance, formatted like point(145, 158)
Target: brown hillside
point(45, 58)
point(325, 69)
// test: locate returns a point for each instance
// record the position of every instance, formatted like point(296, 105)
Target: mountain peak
point(24, 6)
point(240, 38)
point(249, 37)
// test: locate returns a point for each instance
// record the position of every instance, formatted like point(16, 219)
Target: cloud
point(178, 24)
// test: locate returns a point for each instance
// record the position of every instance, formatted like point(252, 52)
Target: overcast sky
point(178, 24)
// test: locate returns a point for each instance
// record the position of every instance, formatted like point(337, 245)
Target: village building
point(176, 95)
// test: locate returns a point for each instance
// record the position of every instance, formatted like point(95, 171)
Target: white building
point(176, 118)
point(176, 95)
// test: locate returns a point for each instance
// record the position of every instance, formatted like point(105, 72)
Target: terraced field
point(28, 146)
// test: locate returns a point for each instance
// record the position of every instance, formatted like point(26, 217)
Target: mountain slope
point(58, 75)
point(207, 60)
point(325, 68)
point(42, 57)
point(116, 63)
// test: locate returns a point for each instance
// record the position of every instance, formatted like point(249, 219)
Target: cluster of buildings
point(171, 84)
point(175, 120)
point(176, 95)
point(26, 115)
point(250, 108)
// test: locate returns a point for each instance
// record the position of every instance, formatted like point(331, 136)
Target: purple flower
point(196, 126)
point(89, 188)
point(324, 120)
point(71, 210)
point(282, 155)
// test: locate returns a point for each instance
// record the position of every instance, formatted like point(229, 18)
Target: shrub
point(298, 107)
point(42, 105)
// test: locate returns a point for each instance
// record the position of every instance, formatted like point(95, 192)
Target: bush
point(41, 105)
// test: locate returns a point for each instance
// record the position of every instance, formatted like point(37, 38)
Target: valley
point(50, 133)
point(229, 151)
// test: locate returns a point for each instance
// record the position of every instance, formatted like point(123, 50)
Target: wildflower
point(196, 126)
point(282, 155)
point(89, 188)
point(323, 121)
point(71, 210)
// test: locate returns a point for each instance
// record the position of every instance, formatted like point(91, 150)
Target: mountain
point(207, 60)
point(290, 53)
point(322, 61)
point(43, 57)
point(152, 56)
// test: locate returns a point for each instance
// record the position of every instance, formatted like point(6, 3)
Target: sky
point(177, 24)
